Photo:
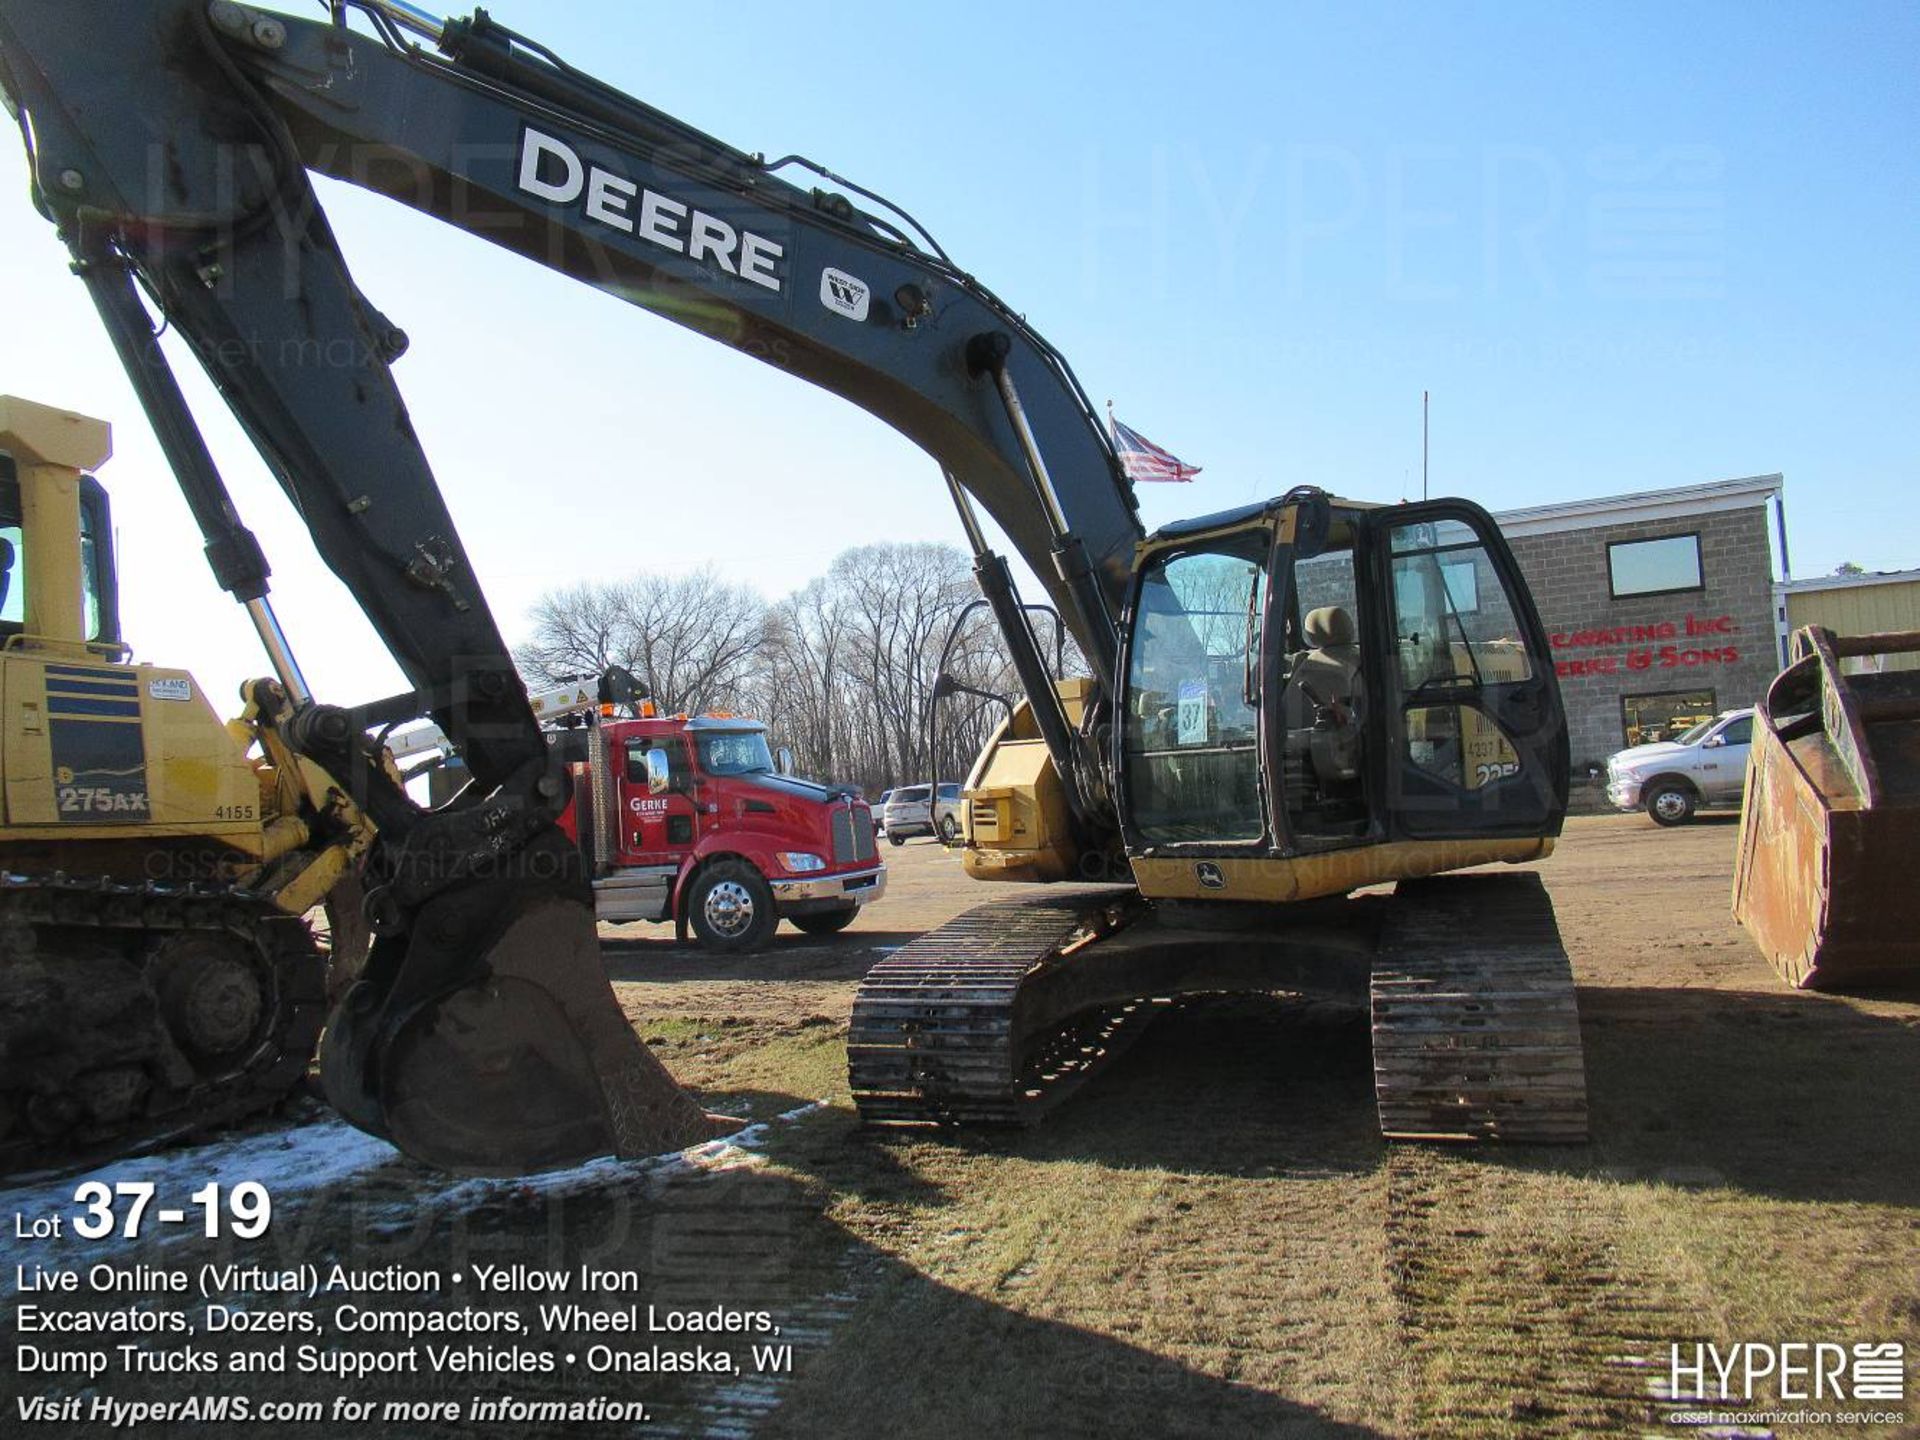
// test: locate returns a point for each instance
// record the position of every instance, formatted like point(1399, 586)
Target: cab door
point(1474, 734)
point(657, 829)
point(1723, 759)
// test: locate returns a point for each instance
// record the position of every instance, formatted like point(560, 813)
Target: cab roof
point(1248, 514)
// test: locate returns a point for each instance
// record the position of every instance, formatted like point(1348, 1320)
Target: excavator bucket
point(1832, 816)
point(505, 1055)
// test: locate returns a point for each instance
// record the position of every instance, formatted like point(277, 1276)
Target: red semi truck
point(690, 819)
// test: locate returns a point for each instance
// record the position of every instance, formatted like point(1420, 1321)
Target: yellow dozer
point(157, 974)
point(1832, 816)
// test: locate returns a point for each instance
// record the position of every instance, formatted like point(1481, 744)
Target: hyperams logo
point(550, 169)
point(1852, 1384)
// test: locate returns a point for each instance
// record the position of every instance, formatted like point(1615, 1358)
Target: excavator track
point(959, 1026)
point(1476, 1034)
point(133, 1015)
point(995, 1016)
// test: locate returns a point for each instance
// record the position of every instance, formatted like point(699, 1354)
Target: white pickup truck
point(1670, 779)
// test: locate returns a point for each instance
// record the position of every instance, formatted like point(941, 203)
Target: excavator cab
point(1310, 678)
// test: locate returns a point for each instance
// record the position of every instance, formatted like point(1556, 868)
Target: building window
point(1654, 567)
point(1668, 716)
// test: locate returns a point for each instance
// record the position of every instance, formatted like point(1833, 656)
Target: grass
point(1210, 1240)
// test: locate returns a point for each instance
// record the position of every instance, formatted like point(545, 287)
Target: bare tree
point(692, 640)
point(900, 600)
point(577, 631)
point(801, 689)
point(696, 638)
point(842, 670)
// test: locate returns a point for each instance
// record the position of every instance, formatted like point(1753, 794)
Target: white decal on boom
point(551, 170)
point(845, 294)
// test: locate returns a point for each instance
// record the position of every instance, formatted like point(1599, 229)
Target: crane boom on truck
point(427, 741)
point(1286, 702)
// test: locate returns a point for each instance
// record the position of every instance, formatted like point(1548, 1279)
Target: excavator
point(1299, 714)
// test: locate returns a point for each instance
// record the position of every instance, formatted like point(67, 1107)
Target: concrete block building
point(1660, 605)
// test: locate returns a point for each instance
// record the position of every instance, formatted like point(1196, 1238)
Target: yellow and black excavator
point(1288, 703)
point(157, 976)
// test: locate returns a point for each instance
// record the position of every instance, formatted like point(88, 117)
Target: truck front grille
point(852, 835)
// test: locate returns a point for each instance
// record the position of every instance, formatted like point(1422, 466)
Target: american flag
point(1144, 460)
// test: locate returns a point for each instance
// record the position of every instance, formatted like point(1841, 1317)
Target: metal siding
point(1861, 610)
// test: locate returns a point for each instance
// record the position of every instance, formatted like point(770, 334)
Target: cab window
point(1456, 632)
point(1192, 714)
point(13, 559)
point(13, 552)
point(1454, 625)
point(1324, 703)
point(734, 752)
point(637, 759)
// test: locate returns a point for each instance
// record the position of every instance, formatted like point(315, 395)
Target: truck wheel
point(893, 839)
point(825, 922)
point(949, 829)
point(731, 908)
point(1670, 803)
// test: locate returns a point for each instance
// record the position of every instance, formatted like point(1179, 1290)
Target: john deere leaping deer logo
point(1209, 875)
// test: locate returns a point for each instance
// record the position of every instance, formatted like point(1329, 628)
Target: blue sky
point(1625, 247)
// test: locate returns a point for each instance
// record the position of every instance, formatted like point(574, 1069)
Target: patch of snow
point(296, 1163)
point(289, 1162)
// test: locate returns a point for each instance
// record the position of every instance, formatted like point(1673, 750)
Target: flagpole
point(1423, 444)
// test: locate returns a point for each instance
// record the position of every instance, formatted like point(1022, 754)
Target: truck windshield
point(735, 752)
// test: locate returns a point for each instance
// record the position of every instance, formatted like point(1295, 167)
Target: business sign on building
point(1659, 606)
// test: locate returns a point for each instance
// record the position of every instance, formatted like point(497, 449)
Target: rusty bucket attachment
point(487, 1041)
point(1832, 817)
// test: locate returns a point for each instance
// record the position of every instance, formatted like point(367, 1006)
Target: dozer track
point(956, 1028)
point(1475, 1031)
point(132, 1015)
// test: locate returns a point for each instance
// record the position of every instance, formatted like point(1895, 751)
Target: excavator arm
point(171, 143)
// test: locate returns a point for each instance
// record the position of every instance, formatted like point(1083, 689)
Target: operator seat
point(1323, 684)
point(1328, 670)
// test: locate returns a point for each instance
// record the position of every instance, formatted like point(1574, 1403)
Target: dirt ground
point(1210, 1238)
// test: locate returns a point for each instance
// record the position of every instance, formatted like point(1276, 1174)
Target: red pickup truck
point(690, 820)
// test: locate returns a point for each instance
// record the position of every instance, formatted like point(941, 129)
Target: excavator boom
point(171, 143)
point(1336, 721)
